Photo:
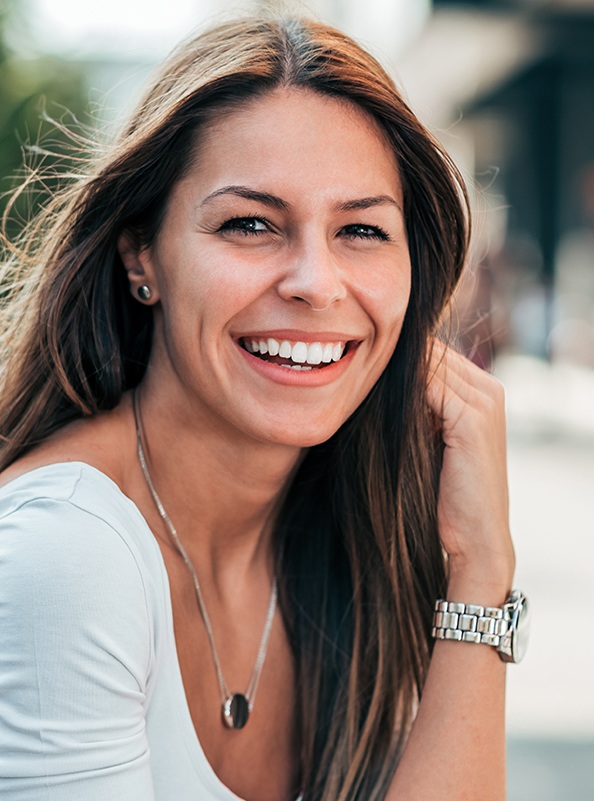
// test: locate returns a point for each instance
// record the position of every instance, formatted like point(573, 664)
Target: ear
point(138, 264)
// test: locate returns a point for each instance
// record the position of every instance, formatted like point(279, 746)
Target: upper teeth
point(298, 352)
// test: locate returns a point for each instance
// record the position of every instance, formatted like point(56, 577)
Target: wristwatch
point(505, 628)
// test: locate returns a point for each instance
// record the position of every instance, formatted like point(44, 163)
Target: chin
point(306, 441)
point(300, 436)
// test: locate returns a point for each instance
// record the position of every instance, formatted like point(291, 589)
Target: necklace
point(236, 707)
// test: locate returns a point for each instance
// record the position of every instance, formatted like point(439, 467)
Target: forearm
point(456, 749)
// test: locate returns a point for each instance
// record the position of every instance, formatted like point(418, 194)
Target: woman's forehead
point(284, 103)
point(293, 136)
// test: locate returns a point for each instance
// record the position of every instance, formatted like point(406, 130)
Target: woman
point(234, 454)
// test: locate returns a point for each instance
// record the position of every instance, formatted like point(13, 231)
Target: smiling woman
point(309, 247)
point(238, 470)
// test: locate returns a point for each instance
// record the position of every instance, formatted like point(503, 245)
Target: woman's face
point(281, 272)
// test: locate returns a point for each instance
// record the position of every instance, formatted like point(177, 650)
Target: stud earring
point(144, 292)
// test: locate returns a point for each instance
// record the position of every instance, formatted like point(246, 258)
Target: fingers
point(462, 394)
point(473, 505)
point(451, 372)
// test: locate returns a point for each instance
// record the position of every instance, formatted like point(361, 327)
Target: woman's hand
point(473, 497)
point(463, 699)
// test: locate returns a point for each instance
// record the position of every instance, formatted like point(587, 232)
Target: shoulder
point(75, 554)
point(77, 644)
point(70, 511)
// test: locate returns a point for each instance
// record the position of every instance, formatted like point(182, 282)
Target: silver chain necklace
point(236, 707)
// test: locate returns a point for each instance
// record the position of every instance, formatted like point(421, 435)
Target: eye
point(359, 231)
point(246, 225)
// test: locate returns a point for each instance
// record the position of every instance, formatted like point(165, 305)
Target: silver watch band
point(469, 623)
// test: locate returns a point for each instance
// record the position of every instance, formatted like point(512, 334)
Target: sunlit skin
point(289, 222)
point(293, 227)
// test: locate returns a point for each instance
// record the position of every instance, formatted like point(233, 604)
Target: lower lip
point(299, 378)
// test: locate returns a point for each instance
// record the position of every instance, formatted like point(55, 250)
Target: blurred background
point(508, 86)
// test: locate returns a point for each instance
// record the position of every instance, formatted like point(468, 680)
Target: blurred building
point(513, 94)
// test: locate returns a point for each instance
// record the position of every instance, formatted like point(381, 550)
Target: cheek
point(198, 285)
point(387, 302)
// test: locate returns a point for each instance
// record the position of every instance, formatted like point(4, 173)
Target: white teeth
point(299, 352)
point(314, 353)
point(297, 366)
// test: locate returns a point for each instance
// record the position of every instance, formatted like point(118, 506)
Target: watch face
point(520, 625)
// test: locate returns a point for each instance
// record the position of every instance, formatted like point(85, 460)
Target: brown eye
point(246, 225)
point(359, 231)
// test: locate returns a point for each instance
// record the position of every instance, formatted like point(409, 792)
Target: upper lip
point(294, 335)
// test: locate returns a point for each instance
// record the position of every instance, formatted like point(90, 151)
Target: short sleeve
point(75, 653)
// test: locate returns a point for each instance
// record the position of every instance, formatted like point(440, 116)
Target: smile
point(295, 355)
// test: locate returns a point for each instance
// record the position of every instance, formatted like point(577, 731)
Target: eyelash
point(228, 225)
point(378, 233)
point(232, 225)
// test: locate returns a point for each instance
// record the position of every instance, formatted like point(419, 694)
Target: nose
point(313, 276)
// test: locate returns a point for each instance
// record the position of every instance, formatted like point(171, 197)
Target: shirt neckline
point(202, 767)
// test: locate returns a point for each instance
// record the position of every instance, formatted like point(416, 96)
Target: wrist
point(503, 626)
point(476, 584)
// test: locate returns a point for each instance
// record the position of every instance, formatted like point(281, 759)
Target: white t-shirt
point(92, 704)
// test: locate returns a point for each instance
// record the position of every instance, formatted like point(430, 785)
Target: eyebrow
point(273, 201)
point(368, 202)
point(249, 194)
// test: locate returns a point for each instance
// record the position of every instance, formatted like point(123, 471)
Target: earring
point(144, 292)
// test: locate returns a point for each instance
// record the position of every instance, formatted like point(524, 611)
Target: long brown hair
point(359, 560)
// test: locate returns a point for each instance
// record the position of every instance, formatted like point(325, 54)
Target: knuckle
point(494, 391)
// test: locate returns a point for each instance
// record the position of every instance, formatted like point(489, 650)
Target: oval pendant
point(236, 711)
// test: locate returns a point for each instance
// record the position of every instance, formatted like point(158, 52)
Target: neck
point(220, 490)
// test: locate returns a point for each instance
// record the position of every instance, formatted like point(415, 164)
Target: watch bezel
point(512, 646)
